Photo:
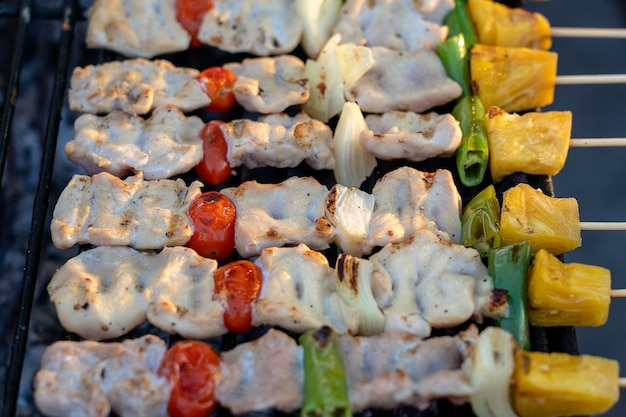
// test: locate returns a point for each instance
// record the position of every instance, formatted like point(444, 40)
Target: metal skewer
point(573, 32)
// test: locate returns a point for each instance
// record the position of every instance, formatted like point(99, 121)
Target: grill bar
point(8, 109)
point(40, 209)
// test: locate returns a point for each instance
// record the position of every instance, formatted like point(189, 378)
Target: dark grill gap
point(65, 14)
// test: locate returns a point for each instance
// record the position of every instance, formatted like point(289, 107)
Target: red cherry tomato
point(238, 284)
point(192, 368)
point(214, 167)
point(189, 14)
point(218, 85)
point(213, 218)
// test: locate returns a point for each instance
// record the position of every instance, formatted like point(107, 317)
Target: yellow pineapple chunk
point(514, 79)
point(545, 222)
point(500, 25)
point(558, 384)
point(561, 294)
point(534, 143)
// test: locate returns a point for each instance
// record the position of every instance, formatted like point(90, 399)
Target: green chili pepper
point(480, 222)
point(508, 268)
point(459, 21)
point(325, 385)
point(472, 156)
point(455, 58)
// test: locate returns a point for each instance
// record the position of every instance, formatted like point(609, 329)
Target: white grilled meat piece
point(104, 210)
point(408, 200)
point(274, 215)
point(434, 10)
point(298, 292)
point(400, 369)
point(399, 80)
point(265, 374)
point(260, 27)
point(269, 84)
point(395, 24)
point(447, 283)
point(135, 86)
point(412, 136)
point(162, 146)
point(92, 379)
point(280, 141)
point(136, 28)
point(105, 292)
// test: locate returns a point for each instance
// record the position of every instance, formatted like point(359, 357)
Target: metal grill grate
point(65, 16)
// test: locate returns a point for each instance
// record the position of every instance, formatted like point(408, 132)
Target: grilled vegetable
point(499, 25)
point(189, 14)
point(571, 294)
point(480, 222)
point(508, 268)
point(213, 218)
point(545, 222)
point(238, 284)
point(192, 368)
point(558, 384)
point(218, 84)
point(514, 79)
point(472, 155)
point(459, 22)
point(325, 385)
point(534, 143)
point(493, 364)
point(318, 18)
point(455, 57)
point(214, 167)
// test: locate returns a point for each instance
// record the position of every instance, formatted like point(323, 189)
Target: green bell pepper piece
point(325, 385)
point(480, 222)
point(455, 58)
point(459, 21)
point(508, 268)
point(472, 155)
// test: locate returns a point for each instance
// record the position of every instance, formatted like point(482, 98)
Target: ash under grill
point(41, 42)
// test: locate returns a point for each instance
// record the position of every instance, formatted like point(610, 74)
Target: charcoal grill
point(41, 42)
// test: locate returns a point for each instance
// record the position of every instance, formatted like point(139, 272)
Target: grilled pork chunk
point(105, 292)
point(269, 84)
point(412, 136)
point(299, 294)
point(104, 210)
point(136, 28)
point(408, 200)
point(279, 140)
point(261, 27)
point(440, 282)
point(276, 358)
point(135, 86)
point(395, 24)
point(274, 215)
point(92, 379)
point(399, 80)
point(164, 145)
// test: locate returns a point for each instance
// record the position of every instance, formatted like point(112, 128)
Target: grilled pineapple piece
point(499, 25)
point(545, 222)
point(558, 384)
point(571, 294)
point(514, 79)
point(535, 143)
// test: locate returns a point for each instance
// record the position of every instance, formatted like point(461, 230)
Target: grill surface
point(41, 42)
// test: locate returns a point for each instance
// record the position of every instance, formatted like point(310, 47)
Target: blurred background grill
point(42, 41)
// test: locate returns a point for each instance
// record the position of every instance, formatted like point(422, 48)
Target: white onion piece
point(354, 61)
point(354, 286)
point(493, 363)
point(353, 163)
point(318, 17)
point(325, 83)
point(349, 210)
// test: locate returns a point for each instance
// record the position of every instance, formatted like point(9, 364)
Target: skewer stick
point(602, 225)
point(622, 382)
point(597, 142)
point(573, 32)
point(591, 79)
point(621, 293)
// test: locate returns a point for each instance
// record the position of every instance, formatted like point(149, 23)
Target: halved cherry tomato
point(189, 14)
point(213, 218)
point(214, 167)
point(238, 284)
point(217, 83)
point(192, 368)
